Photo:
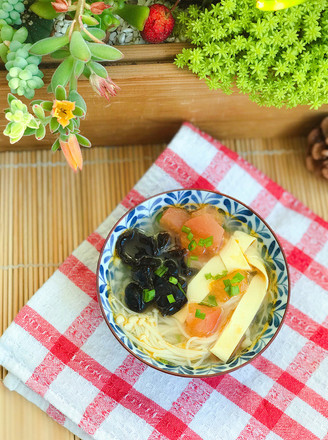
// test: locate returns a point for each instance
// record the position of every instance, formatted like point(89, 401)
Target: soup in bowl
point(193, 283)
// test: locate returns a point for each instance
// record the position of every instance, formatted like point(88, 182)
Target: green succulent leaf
point(78, 47)
point(104, 52)
point(44, 10)
point(275, 5)
point(60, 54)
point(40, 132)
point(89, 20)
point(38, 111)
point(98, 69)
point(74, 96)
point(49, 45)
point(135, 15)
point(60, 93)
point(47, 105)
point(83, 141)
point(54, 125)
point(78, 111)
point(20, 35)
point(63, 73)
point(55, 145)
point(96, 32)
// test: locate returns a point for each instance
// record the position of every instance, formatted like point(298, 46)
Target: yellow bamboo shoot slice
point(241, 319)
point(198, 287)
point(244, 240)
point(233, 257)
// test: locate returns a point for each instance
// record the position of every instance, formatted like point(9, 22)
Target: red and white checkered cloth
point(61, 355)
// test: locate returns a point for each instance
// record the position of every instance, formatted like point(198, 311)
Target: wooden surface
point(156, 97)
point(46, 211)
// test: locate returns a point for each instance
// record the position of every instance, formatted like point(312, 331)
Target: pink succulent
point(98, 7)
point(103, 86)
point(60, 5)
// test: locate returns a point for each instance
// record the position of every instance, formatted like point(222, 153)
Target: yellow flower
point(63, 111)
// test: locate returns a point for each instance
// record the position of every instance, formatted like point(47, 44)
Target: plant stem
point(79, 11)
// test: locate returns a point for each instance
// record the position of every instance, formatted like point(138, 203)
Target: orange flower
point(98, 7)
point(60, 5)
point(72, 152)
point(63, 111)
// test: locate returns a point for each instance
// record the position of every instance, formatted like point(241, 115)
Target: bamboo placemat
point(46, 211)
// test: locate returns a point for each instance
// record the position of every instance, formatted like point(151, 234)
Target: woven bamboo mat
point(46, 211)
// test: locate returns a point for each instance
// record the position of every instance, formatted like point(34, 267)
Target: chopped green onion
point(220, 275)
point(208, 241)
point(185, 229)
point(170, 298)
point(227, 283)
point(161, 271)
point(190, 236)
point(234, 290)
point(192, 245)
point(209, 301)
point(180, 287)
point(193, 258)
point(148, 295)
point(201, 242)
point(208, 276)
point(228, 290)
point(159, 216)
point(173, 280)
point(199, 314)
point(237, 278)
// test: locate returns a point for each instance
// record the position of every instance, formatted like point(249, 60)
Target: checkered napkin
point(61, 355)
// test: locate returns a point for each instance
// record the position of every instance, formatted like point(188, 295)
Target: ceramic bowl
point(239, 216)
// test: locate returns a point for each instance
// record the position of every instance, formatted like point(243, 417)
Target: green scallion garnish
point(234, 290)
point(201, 242)
point(199, 314)
point(192, 245)
point(193, 258)
point(208, 276)
point(220, 275)
point(173, 280)
point(148, 295)
point(237, 278)
point(227, 283)
point(170, 298)
point(180, 287)
point(185, 229)
point(209, 301)
point(190, 236)
point(208, 241)
point(161, 271)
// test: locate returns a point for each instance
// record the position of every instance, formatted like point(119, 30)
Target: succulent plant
point(10, 11)
point(19, 120)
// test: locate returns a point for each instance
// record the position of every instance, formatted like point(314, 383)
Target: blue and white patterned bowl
point(239, 216)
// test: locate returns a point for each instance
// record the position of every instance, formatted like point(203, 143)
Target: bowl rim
point(173, 373)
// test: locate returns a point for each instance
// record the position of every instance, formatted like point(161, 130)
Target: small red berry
point(159, 24)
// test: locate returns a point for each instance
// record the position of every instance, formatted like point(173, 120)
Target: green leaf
point(74, 96)
point(48, 45)
point(40, 132)
point(47, 105)
point(7, 33)
point(54, 125)
point(98, 69)
point(55, 145)
point(60, 54)
point(78, 47)
point(83, 141)
point(79, 67)
point(62, 74)
point(104, 52)
point(275, 5)
point(3, 52)
point(89, 20)
point(78, 111)
point(44, 10)
point(10, 98)
point(96, 32)
point(29, 131)
point(135, 15)
point(60, 93)
point(38, 111)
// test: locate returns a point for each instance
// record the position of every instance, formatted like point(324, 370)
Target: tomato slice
point(201, 320)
